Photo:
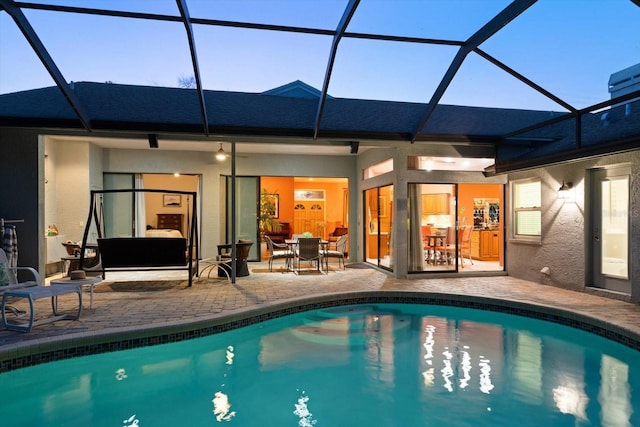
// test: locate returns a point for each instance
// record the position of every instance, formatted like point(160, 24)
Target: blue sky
point(569, 47)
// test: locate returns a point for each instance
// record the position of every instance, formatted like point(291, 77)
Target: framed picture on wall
point(172, 200)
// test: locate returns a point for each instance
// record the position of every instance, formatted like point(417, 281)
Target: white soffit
point(454, 164)
point(212, 146)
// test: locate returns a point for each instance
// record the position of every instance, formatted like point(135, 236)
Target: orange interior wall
point(468, 192)
point(283, 186)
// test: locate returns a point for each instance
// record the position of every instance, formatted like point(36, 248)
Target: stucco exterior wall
point(72, 186)
point(566, 237)
point(562, 241)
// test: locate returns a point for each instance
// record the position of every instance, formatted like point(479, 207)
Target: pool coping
point(83, 344)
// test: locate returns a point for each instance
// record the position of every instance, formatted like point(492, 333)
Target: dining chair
point(464, 244)
point(427, 243)
point(309, 251)
point(446, 247)
point(278, 251)
point(338, 252)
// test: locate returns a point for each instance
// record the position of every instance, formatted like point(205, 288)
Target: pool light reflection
point(302, 411)
point(485, 375)
point(230, 355)
point(466, 368)
point(222, 407)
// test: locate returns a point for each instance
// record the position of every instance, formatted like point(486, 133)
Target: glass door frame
point(601, 215)
point(378, 227)
point(120, 222)
point(247, 220)
point(476, 207)
point(438, 237)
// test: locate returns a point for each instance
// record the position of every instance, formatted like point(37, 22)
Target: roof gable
point(296, 89)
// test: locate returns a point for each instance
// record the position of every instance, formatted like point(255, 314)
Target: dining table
point(430, 243)
point(293, 244)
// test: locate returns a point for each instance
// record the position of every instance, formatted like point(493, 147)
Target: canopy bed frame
point(164, 250)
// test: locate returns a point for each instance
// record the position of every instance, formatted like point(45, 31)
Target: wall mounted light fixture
point(565, 192)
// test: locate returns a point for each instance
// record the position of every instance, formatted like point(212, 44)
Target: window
point(308, 194)
point(378, 169)
point(527, 210)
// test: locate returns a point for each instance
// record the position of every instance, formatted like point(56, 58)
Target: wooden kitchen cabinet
point(494, 251)
point(485, 245)
point(372, 246)
point(475, 244)
point(435, 204)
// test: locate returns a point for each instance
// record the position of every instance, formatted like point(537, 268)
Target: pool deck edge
point(47, 349)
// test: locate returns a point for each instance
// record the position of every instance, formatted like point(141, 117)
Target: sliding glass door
point(247, 202)
point(433, 231)
point(118, 208)
point(378, 234)
point(455, 227)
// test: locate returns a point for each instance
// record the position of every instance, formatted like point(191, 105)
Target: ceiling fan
point(222, 155)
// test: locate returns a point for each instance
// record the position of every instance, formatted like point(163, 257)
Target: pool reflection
point(400, 363)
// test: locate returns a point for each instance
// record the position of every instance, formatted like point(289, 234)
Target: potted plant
point(268, 221)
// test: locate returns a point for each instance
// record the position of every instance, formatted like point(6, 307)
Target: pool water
point(363, 365)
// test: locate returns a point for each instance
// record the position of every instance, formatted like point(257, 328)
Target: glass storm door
point(610, 229)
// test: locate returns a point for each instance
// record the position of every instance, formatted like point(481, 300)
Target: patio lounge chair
point(11, 290)
point(9, 279)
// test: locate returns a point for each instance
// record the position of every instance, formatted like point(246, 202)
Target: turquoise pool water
point(364, 365)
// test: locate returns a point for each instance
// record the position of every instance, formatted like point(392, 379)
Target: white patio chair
point(338, 252)
point(9, 279)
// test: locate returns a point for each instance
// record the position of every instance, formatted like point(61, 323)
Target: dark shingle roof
point(125, 108)
point(128, 107)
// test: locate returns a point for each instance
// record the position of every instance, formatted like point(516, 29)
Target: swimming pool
point(373, 365)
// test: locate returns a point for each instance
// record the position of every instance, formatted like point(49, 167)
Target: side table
point(88, 281)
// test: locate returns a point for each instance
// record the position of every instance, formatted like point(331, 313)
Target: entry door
point(309, 216)
point(610, 229)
